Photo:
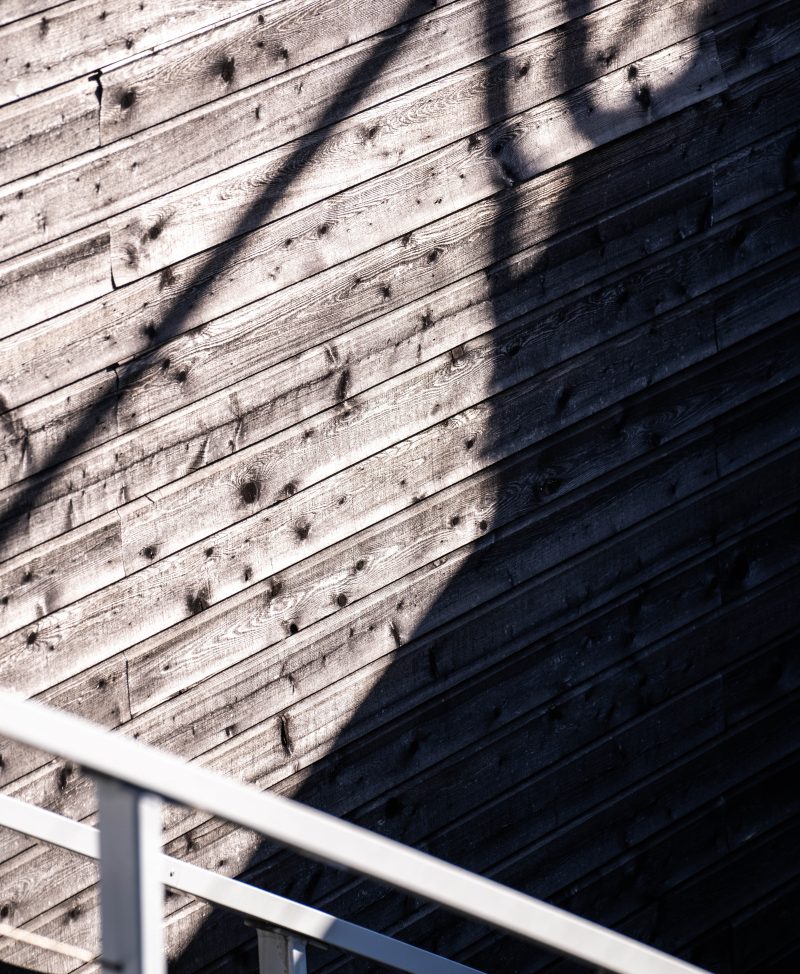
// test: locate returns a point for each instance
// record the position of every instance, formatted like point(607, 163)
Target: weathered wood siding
point(399, 410)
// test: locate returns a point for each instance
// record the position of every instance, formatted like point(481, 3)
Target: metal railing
point(131, 779)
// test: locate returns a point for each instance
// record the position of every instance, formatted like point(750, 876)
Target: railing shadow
point(176, 315)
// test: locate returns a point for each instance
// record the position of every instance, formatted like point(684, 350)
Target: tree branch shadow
point(288, 874)
point(257, 214)
point(281, 872)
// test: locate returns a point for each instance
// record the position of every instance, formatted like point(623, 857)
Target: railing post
point(280, 953)
point(131, 894)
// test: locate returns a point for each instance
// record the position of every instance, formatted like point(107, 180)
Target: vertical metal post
point(280, 953)
point(131, 894)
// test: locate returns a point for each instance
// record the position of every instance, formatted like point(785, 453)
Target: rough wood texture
point(39, 285)
point(401, 411)
point(46, 421)
point(255, 274)
point(246, 50)
point(62, 41)
point(12, 10)
point(47, 128)
point(209, 212)
point(263, 116)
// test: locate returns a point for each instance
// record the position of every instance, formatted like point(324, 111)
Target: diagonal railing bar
point(328, 839)
point(257, 904)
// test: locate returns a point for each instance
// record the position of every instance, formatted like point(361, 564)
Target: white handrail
point(257, 904)
point(331, 840)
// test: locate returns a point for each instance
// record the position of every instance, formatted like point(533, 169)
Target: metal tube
point(331, 840)
point(131, 894)
point(280, 953)
point(257, 904)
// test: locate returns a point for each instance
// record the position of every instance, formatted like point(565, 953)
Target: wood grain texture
point(52, 279)
point(209, 212)
point(562, 471)
point(403, 415)
point(318, 709)
point(367, 354)
point(427, 393)
point(79, 36)
point(624, 686)
point(215, 496)
point(195, 721)
point(32, 357)
point(303, 523)
point(628, 498)
point(17, 9)
point(267, 42)
point(361, 362)
point(73, 787)
point(48, 127)
point(245, 124)
point(208, 709)
point(763, 40)
point(228, 197)
point(47, 422)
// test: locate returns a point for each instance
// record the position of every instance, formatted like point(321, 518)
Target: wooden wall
point(400, 411)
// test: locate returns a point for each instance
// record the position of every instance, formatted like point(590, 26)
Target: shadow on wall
point(359, 773)
point(218, 260)
point(448, 645)
point(6, 968)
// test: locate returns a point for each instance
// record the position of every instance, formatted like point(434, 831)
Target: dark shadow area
point(12, 968)
point(448, 636)
point(483, 626)
point(286, 873)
